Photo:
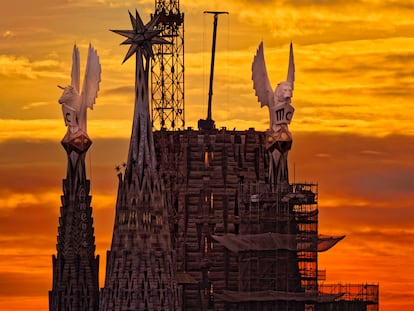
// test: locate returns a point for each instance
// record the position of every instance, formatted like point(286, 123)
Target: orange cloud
point(352, 128)
point(368, 205)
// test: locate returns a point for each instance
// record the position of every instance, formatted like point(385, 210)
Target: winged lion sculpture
point(279, 100)
point(278, 138)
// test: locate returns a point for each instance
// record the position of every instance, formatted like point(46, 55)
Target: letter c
point(67, 118)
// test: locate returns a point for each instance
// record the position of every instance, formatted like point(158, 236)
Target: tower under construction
point(241, 244)
point(245, 237)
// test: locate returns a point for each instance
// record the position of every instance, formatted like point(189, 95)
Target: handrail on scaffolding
point(368, 293)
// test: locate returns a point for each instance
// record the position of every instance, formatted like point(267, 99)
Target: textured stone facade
point(75, 267)
point(217, 182)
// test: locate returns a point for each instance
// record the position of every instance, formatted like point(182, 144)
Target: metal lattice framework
point(167, 69)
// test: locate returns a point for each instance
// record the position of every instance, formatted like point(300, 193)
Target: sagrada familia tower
point(205, 219)
point(75, 268)
point(141, 263)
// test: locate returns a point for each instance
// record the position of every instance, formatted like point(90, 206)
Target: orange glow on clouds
point(353, 125)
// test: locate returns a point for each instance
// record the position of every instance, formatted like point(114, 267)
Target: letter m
point(280, 114)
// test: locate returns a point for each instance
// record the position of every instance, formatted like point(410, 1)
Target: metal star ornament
point(141, 37)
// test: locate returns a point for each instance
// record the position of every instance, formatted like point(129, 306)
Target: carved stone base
point(78, 142)
point(281, 140)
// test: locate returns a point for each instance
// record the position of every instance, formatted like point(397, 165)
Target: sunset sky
point(353, 128)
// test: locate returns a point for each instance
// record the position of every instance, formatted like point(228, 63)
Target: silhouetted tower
point(75, 268)
point(167, 68)
point(140, 273)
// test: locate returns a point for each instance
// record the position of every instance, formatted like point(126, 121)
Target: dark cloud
point(320, 31)
point(296, 3)
point(350, 219)
point(122, 90)
point(34, 284)
point(30, 166)
point(24, 178)
point(30, 221)
point(400, 58)
point(397, 5)
point(377, 171)
point(395, 238)
point(388, 182)
point(367, 64)
point(319, 3)
point(382, 176)
point(399, 90)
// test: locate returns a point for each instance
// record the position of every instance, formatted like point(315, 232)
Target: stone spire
point(75, 267)
point(141, 266)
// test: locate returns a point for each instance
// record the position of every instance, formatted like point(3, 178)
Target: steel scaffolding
point(167, 69)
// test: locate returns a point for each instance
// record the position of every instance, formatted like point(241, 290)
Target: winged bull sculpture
point(74, 102)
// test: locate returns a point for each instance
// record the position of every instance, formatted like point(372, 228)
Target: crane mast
point(208, 124)
point(167, 69)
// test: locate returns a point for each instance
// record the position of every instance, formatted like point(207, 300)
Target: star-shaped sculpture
point(141, 37)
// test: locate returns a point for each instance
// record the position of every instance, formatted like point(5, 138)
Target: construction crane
point(208, 124)
point(167, 69)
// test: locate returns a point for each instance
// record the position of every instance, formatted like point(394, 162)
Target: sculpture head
point(283, 92)
point(70, 97)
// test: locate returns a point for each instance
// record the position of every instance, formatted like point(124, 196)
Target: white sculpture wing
point(75, 69)
point(92, 78)
point(291, 69)
point(261, 82)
